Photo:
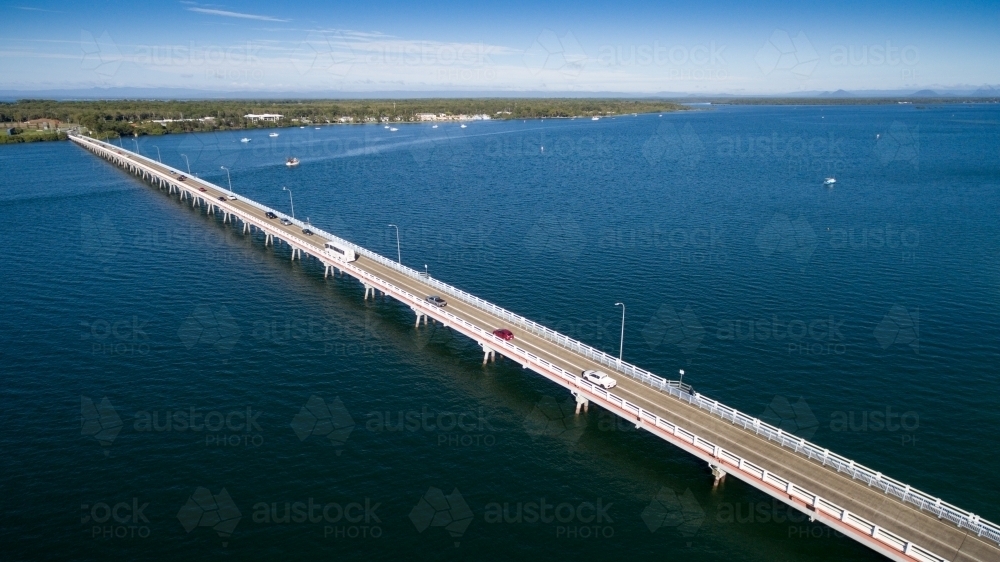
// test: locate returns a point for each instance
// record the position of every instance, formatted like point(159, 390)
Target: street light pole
point(290, 200)
point(228, 177)
point(681, 385)
point(621, 343)
point(158, 158)
point(136, 146)
point(425, 271)
point(188, 163)
point(399, 257)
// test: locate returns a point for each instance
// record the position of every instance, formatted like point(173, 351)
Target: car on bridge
point(600, 378)
point(307, 232)
point(270, 215)
point(286, 222)
point(504, 334)
point(231, 197)
point(202, 189)
point(181, 177)
point(221, 198)
point(437, 301)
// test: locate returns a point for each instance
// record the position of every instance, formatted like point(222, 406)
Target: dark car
point(307, 232)
point(222, 198)
point(270, 215)
point(202, 189)
point(503, 334)
point(436, 301)
point(181, 177)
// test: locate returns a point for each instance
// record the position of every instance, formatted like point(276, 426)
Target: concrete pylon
point(581, 402)
point(718, 473)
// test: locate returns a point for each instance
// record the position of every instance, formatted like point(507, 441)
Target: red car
point(503, 334)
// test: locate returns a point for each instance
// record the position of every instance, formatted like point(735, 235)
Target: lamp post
point(228, 177)
point(425, 271)
point(160, 160)
point(136, 145)
point(399, 257)
point(681, 385)
point(290, 200)
point(621, 343)
point(188, 162)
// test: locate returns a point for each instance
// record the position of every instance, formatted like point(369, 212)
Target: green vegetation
point(127, 117)
point(21, 135)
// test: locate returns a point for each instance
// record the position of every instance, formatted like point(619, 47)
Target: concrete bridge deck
point(902, 524)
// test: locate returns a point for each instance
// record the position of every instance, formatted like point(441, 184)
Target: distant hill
point(925, 94)
point(841, 94)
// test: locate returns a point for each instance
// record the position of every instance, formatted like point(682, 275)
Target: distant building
point(346, 119)
point(42, 124)
point(426, 117)
point(271, 117)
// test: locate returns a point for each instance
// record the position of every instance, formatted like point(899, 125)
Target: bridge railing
point(685, 393)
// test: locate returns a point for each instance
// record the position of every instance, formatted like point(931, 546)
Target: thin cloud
point(228, 14)
point(37, 10)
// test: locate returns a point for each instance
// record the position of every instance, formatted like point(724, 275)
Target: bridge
point(881, 513)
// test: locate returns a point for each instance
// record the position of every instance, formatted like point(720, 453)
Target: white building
point(427, 117)
point(272, 117)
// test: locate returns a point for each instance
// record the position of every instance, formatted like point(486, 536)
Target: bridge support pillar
point(370, 289)
point(246, 227)
point(489, 354)
point(581, 402)
point(718, 473)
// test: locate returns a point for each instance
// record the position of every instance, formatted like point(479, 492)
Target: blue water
point(874, 306)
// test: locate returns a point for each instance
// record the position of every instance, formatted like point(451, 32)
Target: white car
point(600, 378)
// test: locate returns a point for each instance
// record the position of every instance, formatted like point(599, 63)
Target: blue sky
point(635, 47)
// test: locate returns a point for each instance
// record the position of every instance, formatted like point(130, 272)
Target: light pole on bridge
point(621, 343)
point(228, 177)
point(290, 200)
point(160, 160)
point(399, 256)
point(188, 162)
point(136, 145)
point(681, 385)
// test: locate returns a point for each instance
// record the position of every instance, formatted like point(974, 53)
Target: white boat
point(292, 162)
point(464, 125)
point(595, 118)
point(434, 126)
point(244, 139)
point(386, 127)
point(829, 181)
point(317, 128)
point(273, 135)
point(393, 129)
point(303, 127)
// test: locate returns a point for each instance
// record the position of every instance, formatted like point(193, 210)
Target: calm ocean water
point(237, 405)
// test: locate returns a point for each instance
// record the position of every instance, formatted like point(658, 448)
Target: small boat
point(386, 127)
point(292, 162)
point(244, 139)
point(273, 135)
point(434, 126)
point(829, 181)
point(595, 118)
point(302, 127)
point(464, 125)
point(317, 128)
point(393, 129)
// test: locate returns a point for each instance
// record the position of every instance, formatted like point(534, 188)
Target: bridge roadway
point(881, 521)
